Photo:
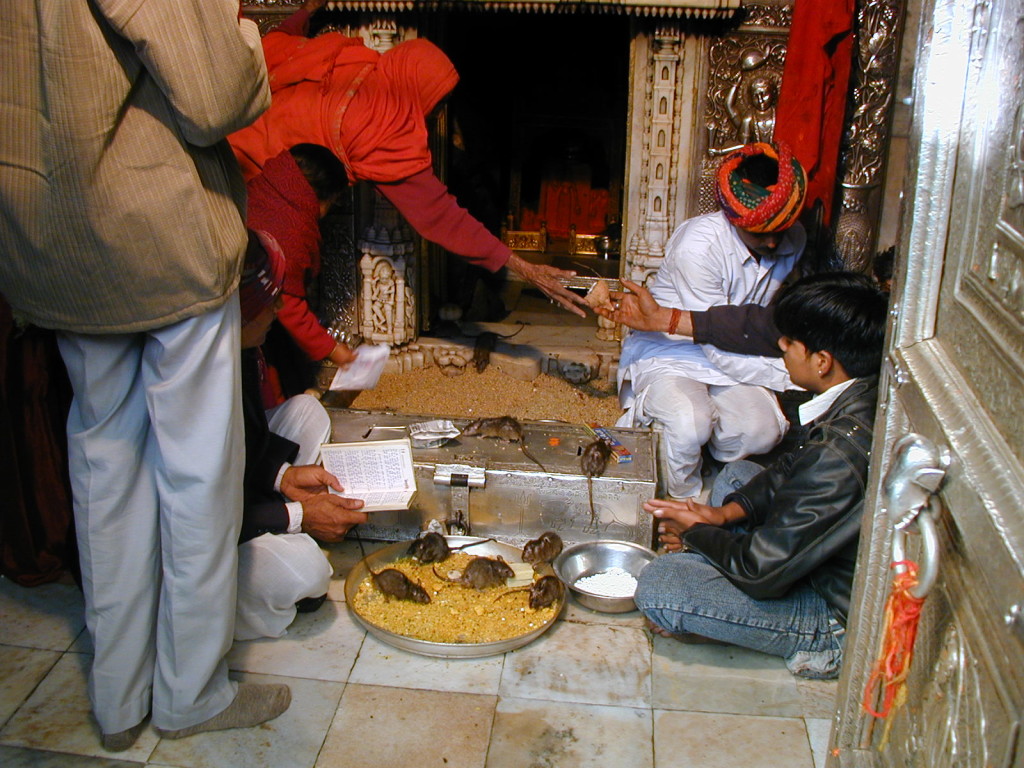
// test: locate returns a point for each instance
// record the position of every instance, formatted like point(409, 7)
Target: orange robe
point(368, 108)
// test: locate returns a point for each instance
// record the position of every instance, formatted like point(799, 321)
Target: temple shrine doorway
point(534, 142)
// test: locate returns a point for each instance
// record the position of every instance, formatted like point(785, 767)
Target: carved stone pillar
point(653, 217)
point(866, 140)
point(386, 237)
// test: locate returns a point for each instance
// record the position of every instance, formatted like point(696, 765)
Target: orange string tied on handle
point(902, 615)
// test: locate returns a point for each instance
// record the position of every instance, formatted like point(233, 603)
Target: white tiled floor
point(595, 690)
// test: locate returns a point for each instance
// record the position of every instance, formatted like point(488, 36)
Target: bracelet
point(674, 320)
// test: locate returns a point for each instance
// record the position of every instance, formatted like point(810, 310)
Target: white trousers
point(734, 421)
point(303, 420)
point(277, 570)
point(156, 455)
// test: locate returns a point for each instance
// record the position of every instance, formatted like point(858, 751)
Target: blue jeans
point(733, 476)
point(683, 593)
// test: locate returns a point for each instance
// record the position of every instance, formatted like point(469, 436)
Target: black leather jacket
point(803, 512)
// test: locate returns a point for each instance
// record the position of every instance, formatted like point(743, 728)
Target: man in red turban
point(700, 394)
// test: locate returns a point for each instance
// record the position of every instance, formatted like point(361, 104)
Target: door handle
point(909, 491)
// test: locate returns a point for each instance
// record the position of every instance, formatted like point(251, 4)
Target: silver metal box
point(485, 487)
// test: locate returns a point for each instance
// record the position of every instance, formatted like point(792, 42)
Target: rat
point(545, 591)
point(593, 462)
point(484, 344)
point(544, 549)
point(481, 573)
point(432, 547)
point(393, 583)
point(504, 428)
point(482, 348)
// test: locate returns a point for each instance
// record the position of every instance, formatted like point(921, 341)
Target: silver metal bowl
point(606, 246)
point(591, 557)
point(392, 552)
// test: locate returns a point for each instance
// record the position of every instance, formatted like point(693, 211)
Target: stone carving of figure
point(383, 299)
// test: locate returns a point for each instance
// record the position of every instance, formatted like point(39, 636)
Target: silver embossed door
point(954, 377)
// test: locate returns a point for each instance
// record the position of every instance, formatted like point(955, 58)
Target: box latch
point(460, 478)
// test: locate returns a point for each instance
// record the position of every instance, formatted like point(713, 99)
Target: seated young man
point(286, 499)
point(769, 563)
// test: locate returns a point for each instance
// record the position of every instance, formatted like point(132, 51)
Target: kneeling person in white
point(697, 393)
point(287, 502)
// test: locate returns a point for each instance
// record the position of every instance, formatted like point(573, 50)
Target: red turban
point(755, 208)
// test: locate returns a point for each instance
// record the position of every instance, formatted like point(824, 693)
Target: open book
point(377, 471)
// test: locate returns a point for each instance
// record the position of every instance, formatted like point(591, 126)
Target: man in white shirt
point(288, 506)
point(698, 394)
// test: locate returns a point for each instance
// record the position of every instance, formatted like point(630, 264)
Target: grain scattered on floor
point(491, 393)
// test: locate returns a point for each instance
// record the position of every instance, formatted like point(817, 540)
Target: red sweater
point(283, 203)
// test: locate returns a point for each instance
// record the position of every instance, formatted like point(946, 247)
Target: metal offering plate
point(383, 557)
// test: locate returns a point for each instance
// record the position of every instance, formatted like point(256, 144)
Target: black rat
point(504, 428)
point(544, 549)
point(484, 343)
point(393, 583)
point(593, 462)
point(481, 573)
point(545, 591)
point(432, 547)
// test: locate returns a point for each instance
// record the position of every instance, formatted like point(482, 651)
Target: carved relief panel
point(987, 222)
point(745, 72)
point(387, 303)
point(956, 709)
point(866, 138)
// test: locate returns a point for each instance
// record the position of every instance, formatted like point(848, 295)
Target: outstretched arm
point(546, 278)
point(434, 212)
point(747, 329)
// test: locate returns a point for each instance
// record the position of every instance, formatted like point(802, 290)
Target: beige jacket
point(121, 205)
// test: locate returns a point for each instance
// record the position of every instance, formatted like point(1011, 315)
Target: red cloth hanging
point(812, 98)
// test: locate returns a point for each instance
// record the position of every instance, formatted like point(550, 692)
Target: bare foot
point(683, 637)
point(656, 629)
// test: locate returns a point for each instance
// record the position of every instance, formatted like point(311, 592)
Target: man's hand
point(546, 279)
point(638, 310)
point(341, 355)
point(301, 483)
point(677, 517)
point(327, 517)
